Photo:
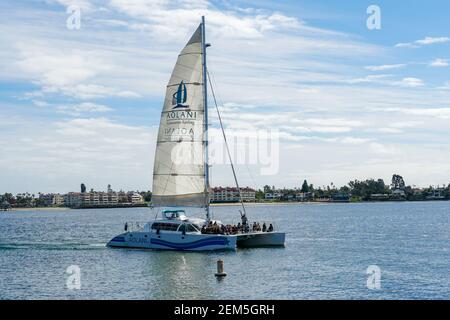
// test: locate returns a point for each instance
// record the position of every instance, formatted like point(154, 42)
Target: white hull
point(197, 242)
point(176, 232)
point(174, 241)
point(261, 239)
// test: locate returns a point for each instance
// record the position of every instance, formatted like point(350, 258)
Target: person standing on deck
point(244, 221)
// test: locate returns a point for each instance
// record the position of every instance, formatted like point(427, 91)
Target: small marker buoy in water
point(220, 273)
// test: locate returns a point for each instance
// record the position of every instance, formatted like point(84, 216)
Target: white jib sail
point(179, 169)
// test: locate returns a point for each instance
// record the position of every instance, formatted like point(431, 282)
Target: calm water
point(329, 248)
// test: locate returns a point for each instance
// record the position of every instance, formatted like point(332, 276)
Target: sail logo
point(180, 96)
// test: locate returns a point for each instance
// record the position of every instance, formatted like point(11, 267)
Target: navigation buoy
point(220, 273)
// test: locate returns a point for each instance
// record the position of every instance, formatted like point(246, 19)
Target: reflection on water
point(179, 272)
point(328, 250)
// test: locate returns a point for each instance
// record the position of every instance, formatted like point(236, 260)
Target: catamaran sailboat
point(181, 170)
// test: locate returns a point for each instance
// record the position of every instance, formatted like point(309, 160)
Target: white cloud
point(405, 124)
point(396, 127)
point(84, 5)
point(40, 103)
point(431, 40)
point(439, 63)
point(83, 109)
point(291, 123)
point(405, 45)
point(58, 68)
point(98, 63)
point(60, 155)
point(423, 42)
point(328, 129)
point(88, 91)
point(384, 79)
point(334, 122)
point(173, 19)
point(385, 67)
point(353, 140)
point(382, 149)
point(441, 113)
point(446, 86)
point(67, 71)
point(380, 78)
point(302, 88)
point(410, 82)
point(390, 130)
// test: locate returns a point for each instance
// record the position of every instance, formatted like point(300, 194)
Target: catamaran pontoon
point(181, 170)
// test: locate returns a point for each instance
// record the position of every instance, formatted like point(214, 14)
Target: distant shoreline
point(233, 204)
point(315, 203)
point(40, 209)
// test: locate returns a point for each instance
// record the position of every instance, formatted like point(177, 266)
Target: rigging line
point(226, 145)
point(246, 164)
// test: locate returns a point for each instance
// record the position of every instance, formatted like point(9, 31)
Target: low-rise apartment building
point(231, 194)
point(51, 199)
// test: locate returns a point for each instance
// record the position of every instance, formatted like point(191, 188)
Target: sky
point(347, 102)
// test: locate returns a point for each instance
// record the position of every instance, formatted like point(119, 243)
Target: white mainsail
point(179, 168)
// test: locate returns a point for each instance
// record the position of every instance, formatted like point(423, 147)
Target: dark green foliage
point(365, 189)
point(305, 187)
point(397, 182)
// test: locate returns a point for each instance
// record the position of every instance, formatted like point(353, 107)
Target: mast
point(205, 103)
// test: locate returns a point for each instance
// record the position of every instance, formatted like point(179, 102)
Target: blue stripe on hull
point(118, 239)
point(192, 245)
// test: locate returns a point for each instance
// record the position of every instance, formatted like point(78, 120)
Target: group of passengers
point(215, 228)
point(257, 227)
point(212, 228)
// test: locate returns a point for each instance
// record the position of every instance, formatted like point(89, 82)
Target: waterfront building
point(113, 198)
point(304, 196)
point(58, 199)
point(248, 194)
point(398, 194)
point(122, 197)
point(379, 196)
point(340, 197)
point(231, 194)
point(436, 194)
point(134, 197)
point(73, 199)
point(46, 199)
point(273, 196)
point(91, 198)
point(322, 199)
point(51, 199)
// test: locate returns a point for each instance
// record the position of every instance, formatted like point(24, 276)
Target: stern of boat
point(261, 239)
